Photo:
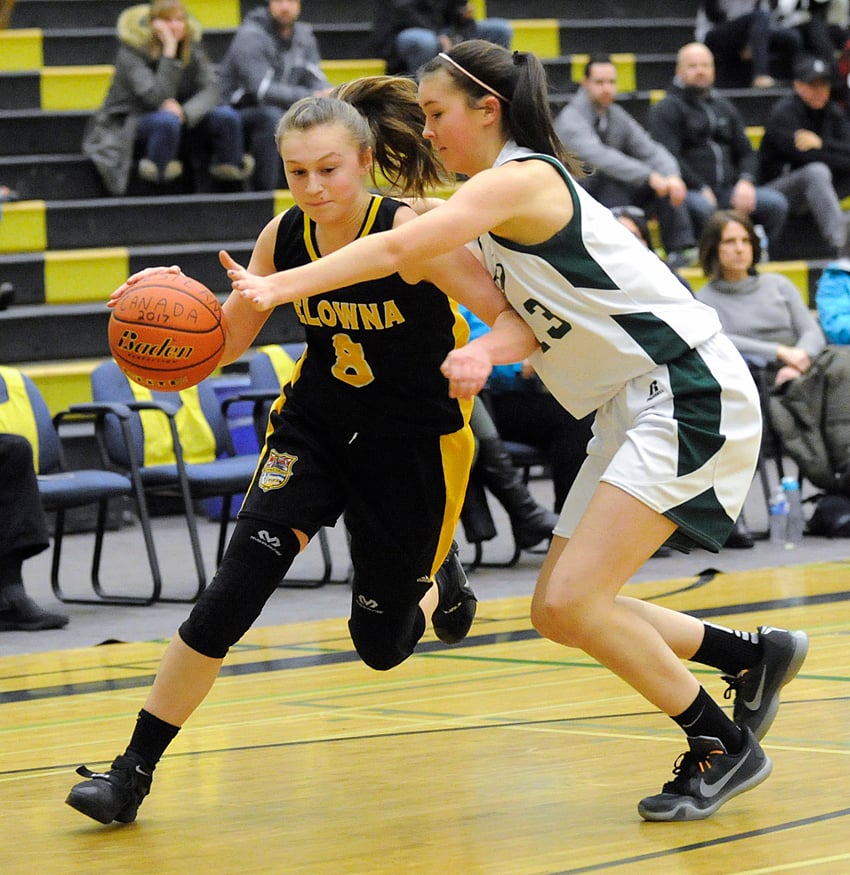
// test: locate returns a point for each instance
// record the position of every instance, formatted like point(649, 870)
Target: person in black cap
point(805, 151)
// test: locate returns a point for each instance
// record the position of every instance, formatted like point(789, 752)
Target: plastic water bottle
point(779, 517)
point(762, 235)
point(796, 523)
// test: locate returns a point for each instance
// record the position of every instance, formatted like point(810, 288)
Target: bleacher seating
point(66, 245)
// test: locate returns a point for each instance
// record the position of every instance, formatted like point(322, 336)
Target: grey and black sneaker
point(113, 795)
point(706, 777)
point(455, 610)
point(757, 689)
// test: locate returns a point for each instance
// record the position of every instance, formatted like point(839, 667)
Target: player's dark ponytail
point(479, 68)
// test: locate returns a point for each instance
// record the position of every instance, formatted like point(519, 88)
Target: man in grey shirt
point(628, 166)
point(272, 61)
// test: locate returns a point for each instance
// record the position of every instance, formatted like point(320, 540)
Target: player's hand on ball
point(136, 277)
point(255, 290)
point(467, 370)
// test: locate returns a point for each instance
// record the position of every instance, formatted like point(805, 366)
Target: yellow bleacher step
point(84, 275)
point(346, 69)
point(216, 13)
point(539, 35)
point(78, 87)
point(24, 227)
point(21, 49)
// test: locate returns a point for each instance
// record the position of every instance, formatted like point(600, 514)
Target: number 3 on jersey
point(350, 366)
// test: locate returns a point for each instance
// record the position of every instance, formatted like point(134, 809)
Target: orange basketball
point(166, 332)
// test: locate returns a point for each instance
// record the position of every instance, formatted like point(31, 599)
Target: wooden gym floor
point(506, 754)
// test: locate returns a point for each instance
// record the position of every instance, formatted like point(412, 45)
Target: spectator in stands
point(272, 61)
point(164, 88)
point(805, 151)
point(741, 32)
point(408, 33)
point(832, 298)
point(763, 314)
point(634, 219)
point(705, 133)
point(628, 166)
point(770, 324)
point(809, 20)
point(23, 534)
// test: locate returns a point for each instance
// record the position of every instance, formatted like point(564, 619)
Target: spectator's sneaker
point(233, 172)
point(455, 610)
point(757, 689)
point(706, 777)
point(150, 172)
point(113, 795)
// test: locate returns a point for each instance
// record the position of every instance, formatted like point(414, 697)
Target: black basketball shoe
point(706, 777)
point(757, 689)
point(455, 610)
point(113, 795)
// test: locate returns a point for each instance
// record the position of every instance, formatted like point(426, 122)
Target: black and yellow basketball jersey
point(374, 349)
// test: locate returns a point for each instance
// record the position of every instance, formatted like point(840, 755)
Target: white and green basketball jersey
point(604, 308)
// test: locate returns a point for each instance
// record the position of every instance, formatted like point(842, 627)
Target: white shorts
point(684, 439)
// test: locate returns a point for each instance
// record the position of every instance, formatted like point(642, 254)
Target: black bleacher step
point(29, 131)
point(624, 35)
point(104, 13)
point(20, 90)
point(329, 11)
point(583, 9)
point(69, 46)
point(134, 221)
point(51, 177)
point(98, 45)
point(79, 331)
point(67, 13)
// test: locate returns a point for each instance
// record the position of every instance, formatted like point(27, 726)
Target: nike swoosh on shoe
point(755, 703)
point(711, 790)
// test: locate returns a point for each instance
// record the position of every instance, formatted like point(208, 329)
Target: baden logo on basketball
point(130, 342)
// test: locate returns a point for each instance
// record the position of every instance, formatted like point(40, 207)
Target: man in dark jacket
point(706, 135)
point(272, 61)
point(805, 151)
point(408, 33)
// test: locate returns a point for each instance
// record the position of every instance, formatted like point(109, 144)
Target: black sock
point(151, 737)
point(728, 649)
point(705, 717)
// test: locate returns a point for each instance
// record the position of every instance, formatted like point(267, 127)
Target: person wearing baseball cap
point(805, 151)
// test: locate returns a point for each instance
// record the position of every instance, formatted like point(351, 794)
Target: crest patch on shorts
point(276, 470)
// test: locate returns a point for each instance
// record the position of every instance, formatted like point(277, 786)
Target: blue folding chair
point(24, 411)
point(223, 475)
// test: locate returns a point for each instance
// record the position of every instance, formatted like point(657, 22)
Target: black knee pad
point(257, 557)
point(384, 635)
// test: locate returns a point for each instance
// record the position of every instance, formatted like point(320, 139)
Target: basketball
point(166, 332)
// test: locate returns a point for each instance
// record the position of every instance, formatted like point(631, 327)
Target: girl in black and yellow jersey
point(366, 425)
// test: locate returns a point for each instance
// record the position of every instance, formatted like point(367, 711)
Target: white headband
point(475, 79)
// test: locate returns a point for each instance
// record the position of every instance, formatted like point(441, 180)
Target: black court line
point(340, 657)
point(696, 846)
